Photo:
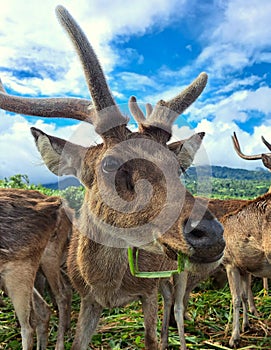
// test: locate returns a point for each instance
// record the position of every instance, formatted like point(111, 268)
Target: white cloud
point(238, 36)
point(217, 147)
point(30, 34)
point(236, 106)
point(131, 81)
point(245, 23)
point(19, 154)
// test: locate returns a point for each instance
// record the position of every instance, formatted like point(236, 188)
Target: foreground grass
point(122, 328)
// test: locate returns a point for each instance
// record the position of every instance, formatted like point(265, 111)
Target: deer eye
point(110, 164)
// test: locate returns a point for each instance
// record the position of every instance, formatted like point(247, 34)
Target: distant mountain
point(219, 172)
point(222, 172)
point(63, 183)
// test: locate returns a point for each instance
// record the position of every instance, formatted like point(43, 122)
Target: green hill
point(224, 182)
point(223, 172)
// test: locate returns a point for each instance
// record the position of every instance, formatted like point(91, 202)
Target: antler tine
point(240, 153)
point(136, 111)
point(73, 108)
point(165, 117)
point(149, 109)
point(95, 78)
point(2, 89)
point(267, 144)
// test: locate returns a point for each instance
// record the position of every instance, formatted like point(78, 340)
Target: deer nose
point(206, 238)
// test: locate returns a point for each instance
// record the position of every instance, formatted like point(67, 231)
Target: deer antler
point(108, 114)
point(267, 144)
point(136, 110)
point(74, 108)
point(165, 112)
point(240, 153)
point(149, 109)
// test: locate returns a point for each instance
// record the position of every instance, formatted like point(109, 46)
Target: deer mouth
point(173, 254)
point(205, 259)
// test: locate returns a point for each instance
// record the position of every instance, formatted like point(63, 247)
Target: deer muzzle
point(206, 239)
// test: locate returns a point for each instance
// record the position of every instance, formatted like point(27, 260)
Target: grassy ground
point(122, 328)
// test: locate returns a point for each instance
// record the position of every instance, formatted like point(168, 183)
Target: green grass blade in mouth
point(182, 262)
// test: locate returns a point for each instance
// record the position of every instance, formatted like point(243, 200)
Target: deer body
point(26, 226)
point(105, 281)
point(34, 232)
point(247, 235)
point(248, 245)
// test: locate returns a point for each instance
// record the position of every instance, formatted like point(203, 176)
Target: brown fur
point(248, 251)
point(34, 230)
point(198, 273)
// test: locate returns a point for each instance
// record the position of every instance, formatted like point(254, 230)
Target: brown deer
point(34, 233)
point(53, 268)
point(247, 235)
point(134, 197)
point(266, 160)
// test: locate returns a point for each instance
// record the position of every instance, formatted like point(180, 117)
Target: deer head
point(134, 196)
point(265, 157)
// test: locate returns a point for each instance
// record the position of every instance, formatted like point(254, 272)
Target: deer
point(134, 200)
point(34, 235)
point(247, 253)
point(266, 160)
point(247, 246)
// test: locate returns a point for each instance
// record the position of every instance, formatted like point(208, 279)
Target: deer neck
point(100, 262)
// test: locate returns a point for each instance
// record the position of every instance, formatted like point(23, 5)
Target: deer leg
point(19, 281)
point(251, 304)
point(245, 280)
point(265, 285)
point(42, 315)
point(89, 316)
point(150, 311)
point(166, 290)
point(62, 294)
point(180, 283)
point(235, 287)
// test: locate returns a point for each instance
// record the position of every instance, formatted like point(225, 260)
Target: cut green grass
point(122, 328)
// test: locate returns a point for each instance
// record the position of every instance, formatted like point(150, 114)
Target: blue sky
point(148, 49)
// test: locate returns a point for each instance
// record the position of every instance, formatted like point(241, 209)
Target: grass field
point(122, 328)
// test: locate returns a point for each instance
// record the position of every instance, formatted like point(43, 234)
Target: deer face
point(133, 193)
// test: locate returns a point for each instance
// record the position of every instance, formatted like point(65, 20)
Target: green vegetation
point(122, 328)
point(73, 195)
point(227, 188)
point(223, 182)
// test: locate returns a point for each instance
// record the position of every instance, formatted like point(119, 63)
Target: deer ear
point(266, 159)
point(186, 150)
point(60, 156)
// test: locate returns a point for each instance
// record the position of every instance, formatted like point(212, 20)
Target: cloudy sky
point(151, 49)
